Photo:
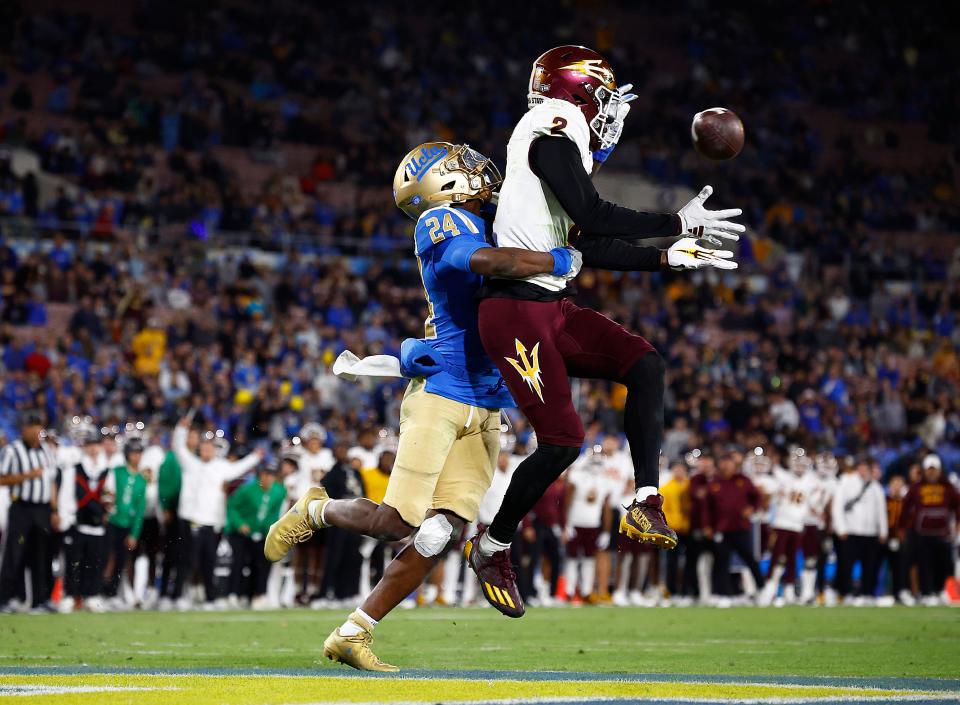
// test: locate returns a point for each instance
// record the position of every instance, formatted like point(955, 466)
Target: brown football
point(717, 133)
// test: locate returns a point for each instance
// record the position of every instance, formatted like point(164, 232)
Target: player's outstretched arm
point(619, 256)
point(557, 161)
point(470, 255)
point(515, 263)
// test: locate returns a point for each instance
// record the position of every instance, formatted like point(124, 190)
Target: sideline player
point(792, 504)
point(450, 415)
point(532, 329)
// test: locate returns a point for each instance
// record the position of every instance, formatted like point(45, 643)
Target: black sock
point(530, 480)
point(643, 417)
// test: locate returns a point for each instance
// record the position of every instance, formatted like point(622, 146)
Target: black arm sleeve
point(617, 255)
point(557, 161)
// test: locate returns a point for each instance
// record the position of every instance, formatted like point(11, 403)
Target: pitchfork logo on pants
point(529, 368)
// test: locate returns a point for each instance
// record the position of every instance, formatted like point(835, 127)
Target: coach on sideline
point(28, 469)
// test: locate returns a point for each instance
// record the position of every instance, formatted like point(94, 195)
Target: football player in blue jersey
point(450, 415)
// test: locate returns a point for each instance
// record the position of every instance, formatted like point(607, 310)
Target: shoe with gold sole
point(296, 526)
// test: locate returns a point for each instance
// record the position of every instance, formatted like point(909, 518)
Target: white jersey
point(766, 482)
point(315, 465)
point(369, 459)
point(590, 491)
point(792, 499)
point(817, 508)
point(617, 472)
point(528, 214)
point(311, 469)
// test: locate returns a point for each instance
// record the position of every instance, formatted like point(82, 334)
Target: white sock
point(570, 574)
point(588, 569)
point(644, 492)
point(643, 568)
point(626, 563)
point(808, 583)
point(489, 545)
point(315, 510)
point(351, 628)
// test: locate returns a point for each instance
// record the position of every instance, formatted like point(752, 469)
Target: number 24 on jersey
point(437, 234)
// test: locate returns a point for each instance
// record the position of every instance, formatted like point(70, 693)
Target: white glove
point(603, 541)
point(576, 264)
point(685, 253)
point(616, 126)
point(697, 221)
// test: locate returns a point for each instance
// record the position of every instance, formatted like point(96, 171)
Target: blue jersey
point(446, 239)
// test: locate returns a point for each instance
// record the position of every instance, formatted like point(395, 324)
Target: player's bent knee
point(561, 455)
point(388, 525)
point(434, 535)
point(649, 369)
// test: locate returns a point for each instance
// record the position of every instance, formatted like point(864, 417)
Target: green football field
point(474, 655)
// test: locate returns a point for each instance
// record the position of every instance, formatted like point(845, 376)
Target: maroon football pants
point(538, 346)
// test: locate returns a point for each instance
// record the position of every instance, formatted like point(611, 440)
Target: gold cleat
point(644, 522)
point(355, 650)
point(296, 526)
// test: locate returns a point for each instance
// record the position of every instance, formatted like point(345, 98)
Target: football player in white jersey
point(532, 329)
point(823, 478)
point(795, 490)
point(587, 505)
point(314, 460)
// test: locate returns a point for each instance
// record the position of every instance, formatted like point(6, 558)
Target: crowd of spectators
point(849, 119)
point(836, 335)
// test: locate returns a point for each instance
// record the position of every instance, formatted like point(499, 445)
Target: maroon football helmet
point(580, 76)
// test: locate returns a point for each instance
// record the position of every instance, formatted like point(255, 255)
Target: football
point(717, 133)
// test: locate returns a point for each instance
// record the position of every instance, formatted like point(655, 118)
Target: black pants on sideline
point(341, 572)
point(675, 578)
point(171, 567)
point(934, 562)
point(150, 545)
point(88, 555)
point(203, 557)
point(544, 547)
point(741, 543)
point(857, 549)
point(117, 543)
point(695, 548)
point(248, 558)
point(27, 543)
point(897, 566)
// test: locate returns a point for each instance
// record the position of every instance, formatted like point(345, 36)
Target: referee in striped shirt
point(28, 468)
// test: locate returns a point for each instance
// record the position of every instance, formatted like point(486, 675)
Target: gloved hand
point(697, 221)
point(418, 359)
point(567, 262)
point(603, 541)
point(685, 253)
point(616, 126)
